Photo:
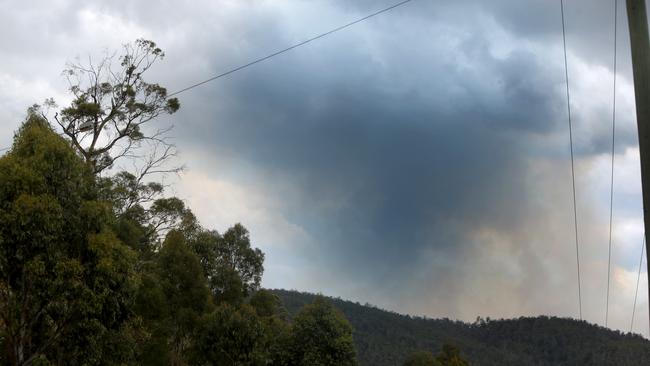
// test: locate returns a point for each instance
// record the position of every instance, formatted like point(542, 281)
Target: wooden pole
point(640, 44)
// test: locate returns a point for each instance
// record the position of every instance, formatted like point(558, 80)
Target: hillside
point(387, 338)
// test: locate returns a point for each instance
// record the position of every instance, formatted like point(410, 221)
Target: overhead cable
point(573, 176)
point(611, 182)
point(289, 48)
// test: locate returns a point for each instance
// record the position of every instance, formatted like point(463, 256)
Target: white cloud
point(220, 203)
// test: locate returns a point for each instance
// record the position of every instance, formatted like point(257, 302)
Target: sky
point(418, 161)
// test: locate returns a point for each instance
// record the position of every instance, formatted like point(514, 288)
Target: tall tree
point(274, 316)
point(111, 106)
point(234, 336)
point(66, 282)
point(234, 269)
point(110, 119)
point(175, 299)
point(321, 336)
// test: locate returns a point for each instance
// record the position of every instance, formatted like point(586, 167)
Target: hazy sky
point(418, 161)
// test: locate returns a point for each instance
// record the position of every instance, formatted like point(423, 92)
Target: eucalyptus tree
point(67, 283)
point(111, 107)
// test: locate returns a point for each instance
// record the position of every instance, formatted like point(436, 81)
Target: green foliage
point(67, 282)
point(267, 304)
point(181, 276)
point(421, 358)
point(233, 269)
point(232, 335)
point(321, 336)
point(274, 316)
point(142, 216)
point(126, 191)
point(234, 254)
point(450, 356)
point(166, 214)
point(172, 299)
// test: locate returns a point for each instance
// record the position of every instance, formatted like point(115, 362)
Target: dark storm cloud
point(418, 161)
point(407, 140)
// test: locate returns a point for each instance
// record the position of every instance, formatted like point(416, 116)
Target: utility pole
point(640, 44)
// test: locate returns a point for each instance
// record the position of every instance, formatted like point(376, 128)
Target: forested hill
point(387, 338)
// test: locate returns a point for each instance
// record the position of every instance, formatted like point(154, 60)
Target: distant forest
point(387, 338)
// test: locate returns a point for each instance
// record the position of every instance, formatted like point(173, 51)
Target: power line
point(638, 277)
point(289, 48)
point(611, 190)
point(573, 176)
